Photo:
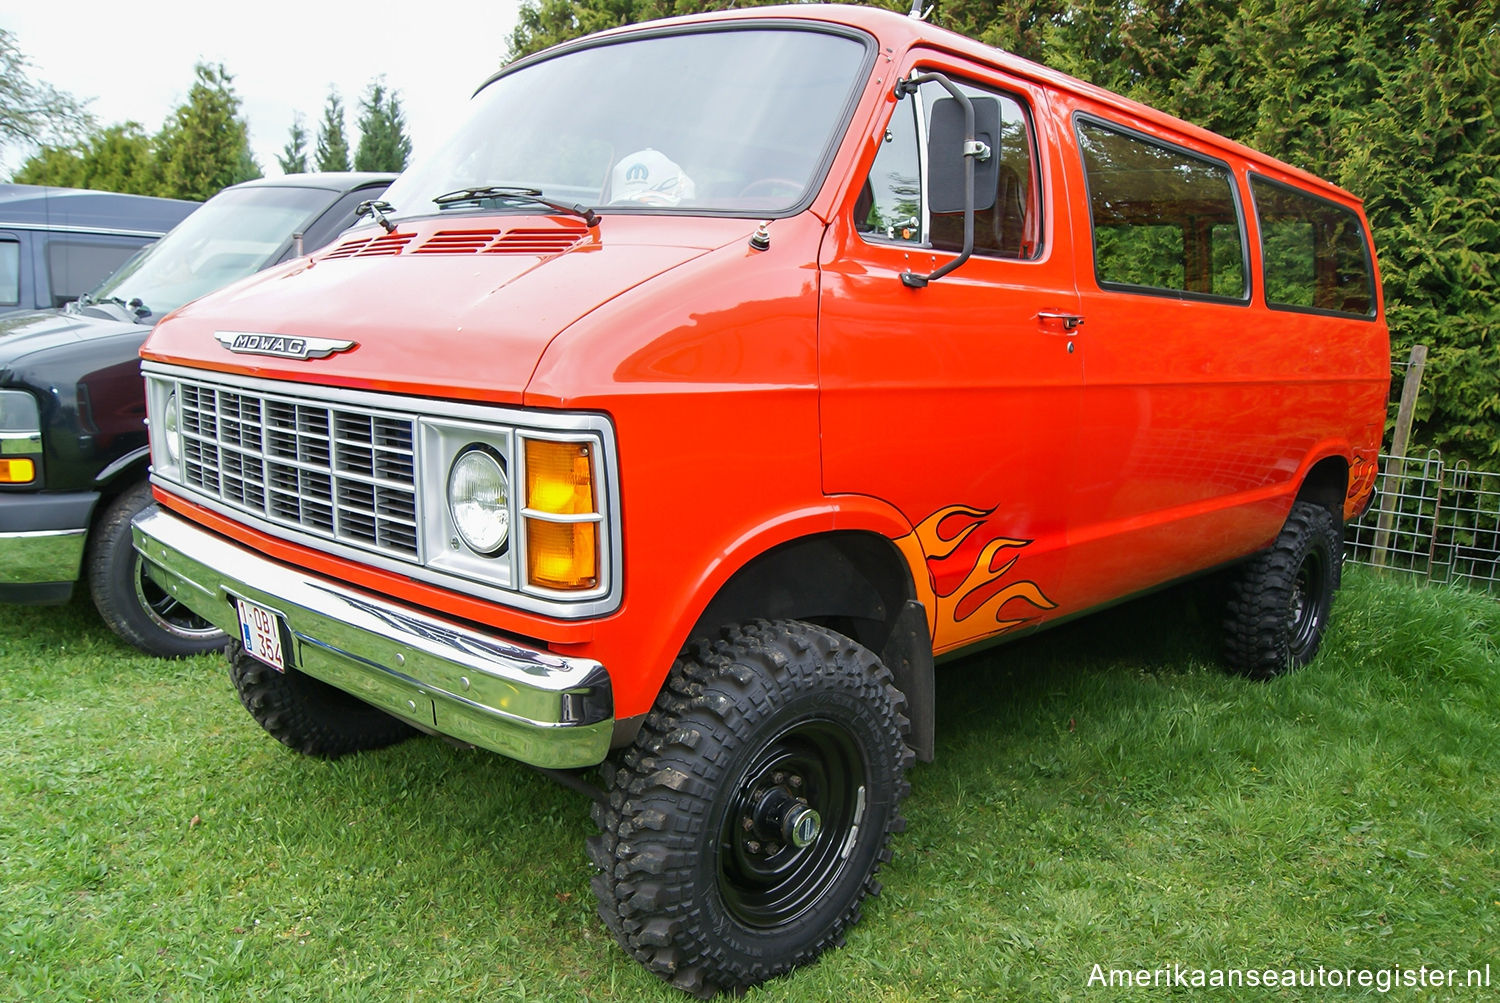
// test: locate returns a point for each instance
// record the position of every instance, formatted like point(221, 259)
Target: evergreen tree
point(205, 146)
point(293, 157)
point(333, 146)
point(383, 143)
point(119, 158)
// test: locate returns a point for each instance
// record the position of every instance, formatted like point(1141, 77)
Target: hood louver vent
point(457, 242)
point(366, 247)
point(541, 242)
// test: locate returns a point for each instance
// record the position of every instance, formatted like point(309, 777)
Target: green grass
point(1102, 794)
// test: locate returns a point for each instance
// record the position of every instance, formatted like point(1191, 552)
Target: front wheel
point(1280, 599)
point(130, 603)
point(744, 829)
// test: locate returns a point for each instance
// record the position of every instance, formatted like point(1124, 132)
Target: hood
point(459, 307)
point(44, 331)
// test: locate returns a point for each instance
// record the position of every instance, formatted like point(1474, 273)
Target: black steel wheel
point(130, 603)
point(1280, 599)
point(743, 830)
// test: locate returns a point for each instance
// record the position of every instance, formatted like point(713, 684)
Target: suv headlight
point(20, 437)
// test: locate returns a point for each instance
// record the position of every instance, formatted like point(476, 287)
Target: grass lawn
point(1102, 795)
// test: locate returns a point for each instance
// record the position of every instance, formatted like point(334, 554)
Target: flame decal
point(961, 612)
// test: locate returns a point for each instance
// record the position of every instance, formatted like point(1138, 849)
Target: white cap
point(649, 178)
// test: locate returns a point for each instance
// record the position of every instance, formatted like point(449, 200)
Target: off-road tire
point(307, 714)
point(686, 884)
point(1279, 600)
point(131, 605)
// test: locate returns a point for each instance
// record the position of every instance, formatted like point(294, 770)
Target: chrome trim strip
point(20, 443)
point(543, 709)
point(41, 557)
point(101, 230)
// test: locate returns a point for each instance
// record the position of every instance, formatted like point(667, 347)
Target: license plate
point(261, 631)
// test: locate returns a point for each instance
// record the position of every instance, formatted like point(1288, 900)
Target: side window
point(75, 264)
point(10, 273)
point(1163, 218)
point(893, 205)
point(1314, 252)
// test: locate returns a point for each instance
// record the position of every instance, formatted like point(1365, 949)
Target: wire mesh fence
point(1432, 519)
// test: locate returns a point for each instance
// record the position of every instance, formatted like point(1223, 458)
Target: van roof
point(334, 181)
point(43, 207)
point(901, 30)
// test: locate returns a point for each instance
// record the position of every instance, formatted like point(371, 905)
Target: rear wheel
point(744, 829)
point(1279, 601)
point(307, 714)
point(130, 603)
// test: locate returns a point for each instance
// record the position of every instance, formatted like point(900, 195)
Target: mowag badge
point(281, 345)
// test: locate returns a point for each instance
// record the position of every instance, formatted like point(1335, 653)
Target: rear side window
point(76, 265)
point(10, 273)
point(1164, 220)
point(1314, 252)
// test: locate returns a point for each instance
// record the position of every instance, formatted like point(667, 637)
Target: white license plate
point(260, 630)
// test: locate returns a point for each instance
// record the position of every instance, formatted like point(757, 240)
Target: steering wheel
point(767, 187)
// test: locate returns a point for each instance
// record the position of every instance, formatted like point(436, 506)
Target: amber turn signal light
point(17, 471)
point(562, 555)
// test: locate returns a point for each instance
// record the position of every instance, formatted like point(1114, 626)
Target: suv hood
point(459, 307)
point(26, 334)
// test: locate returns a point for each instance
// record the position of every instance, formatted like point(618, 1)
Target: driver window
point(892, 205)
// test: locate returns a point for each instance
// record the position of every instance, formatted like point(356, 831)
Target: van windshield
point(727, 121)
point(236, 233)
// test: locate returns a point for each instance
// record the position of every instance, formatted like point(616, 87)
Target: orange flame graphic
point(983, 590)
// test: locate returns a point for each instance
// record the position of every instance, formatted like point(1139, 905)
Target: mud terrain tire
point(713, 872)
point(1279, 601)
point(307, 714)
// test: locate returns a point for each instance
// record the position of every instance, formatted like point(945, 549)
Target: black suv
point(73, 454)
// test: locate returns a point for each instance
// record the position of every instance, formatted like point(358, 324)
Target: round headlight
point(479, 500)
point(170, 420)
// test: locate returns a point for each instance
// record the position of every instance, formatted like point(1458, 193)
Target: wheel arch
point(856, 582)
point(1326, 484)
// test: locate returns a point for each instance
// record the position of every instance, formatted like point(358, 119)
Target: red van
point(714, 378)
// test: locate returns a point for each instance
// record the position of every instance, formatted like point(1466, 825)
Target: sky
point(135, 60)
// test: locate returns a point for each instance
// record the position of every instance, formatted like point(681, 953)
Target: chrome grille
point(340, 472)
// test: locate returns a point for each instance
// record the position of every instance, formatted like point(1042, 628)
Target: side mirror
point(946, 155)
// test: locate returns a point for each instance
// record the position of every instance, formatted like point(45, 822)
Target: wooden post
point(1410, 387)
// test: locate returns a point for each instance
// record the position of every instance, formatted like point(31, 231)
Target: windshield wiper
point(377, 208)
point(517, 193)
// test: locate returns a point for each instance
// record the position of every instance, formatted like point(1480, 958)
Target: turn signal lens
point(17, 471)
point(559, 477)
point(562, 555)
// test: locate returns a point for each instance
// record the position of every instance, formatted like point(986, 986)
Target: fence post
point(1404, 416)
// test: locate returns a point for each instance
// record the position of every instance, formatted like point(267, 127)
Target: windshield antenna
point(377, 208)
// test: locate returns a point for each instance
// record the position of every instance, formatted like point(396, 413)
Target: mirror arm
point(970, 151)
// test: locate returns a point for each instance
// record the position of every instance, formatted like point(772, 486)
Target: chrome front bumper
point(531, 705)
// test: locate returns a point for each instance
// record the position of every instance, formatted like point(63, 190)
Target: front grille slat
point(340, 472)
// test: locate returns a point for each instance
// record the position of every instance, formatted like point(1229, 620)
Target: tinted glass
point(75, 265)
point(1162, 218)
point(729, 121)
point(236, 233)
point(1314, 252)
point(893, 205)
point(10, 273)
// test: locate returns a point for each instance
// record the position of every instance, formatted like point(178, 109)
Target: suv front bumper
point(540, 708)
point(42, 538)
